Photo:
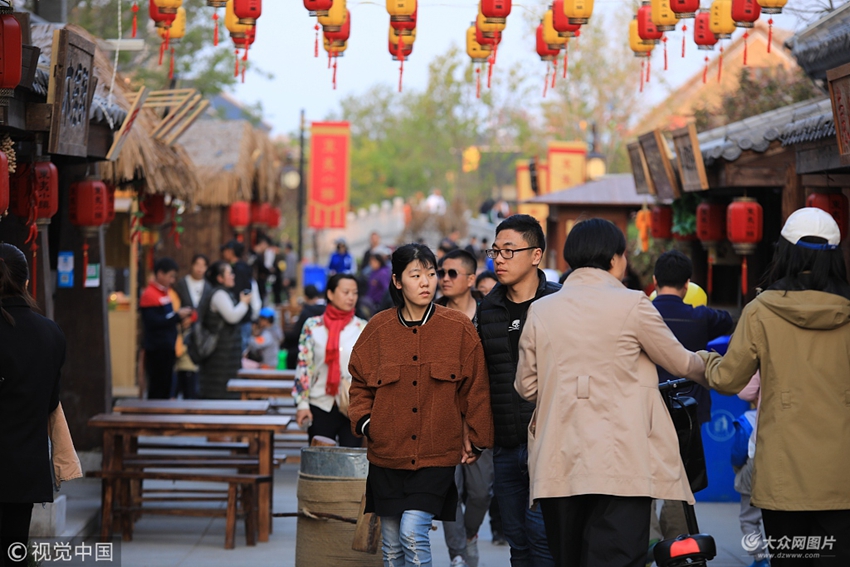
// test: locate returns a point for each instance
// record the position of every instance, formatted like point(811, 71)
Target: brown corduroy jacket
point(417, 386)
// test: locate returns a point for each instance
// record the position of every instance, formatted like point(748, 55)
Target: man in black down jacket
point(517, 252)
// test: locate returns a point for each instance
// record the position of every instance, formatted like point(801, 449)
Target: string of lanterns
point(484, 36)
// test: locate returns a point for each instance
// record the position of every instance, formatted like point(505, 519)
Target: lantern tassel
point(247, 47)
point(684, 35)
point(705, 71)
point(648, 69)
point(135, 19)
point(642, 65)
point(546, 81)
point(744, 276)
point(566, 58)
point(478, 82)
point(34, 268)
point(161, 51)
point(769, 33)
point(664, 41)
point(168, 37)
point(215, 28)
point(334, 75)
point(554, 70)
point(496, 51)
point(316, 44)
point(236, 68)
point(490, 62)
point(400, 67)
point(85, 261)
point(746, 36)
point(720, 64)
point(171, 65)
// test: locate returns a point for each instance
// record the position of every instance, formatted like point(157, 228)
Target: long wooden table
point(265, 374)
point(120, 429)
point(193, 407)
point(261, 389)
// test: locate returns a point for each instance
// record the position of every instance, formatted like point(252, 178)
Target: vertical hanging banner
point(329, 174)
point(567, 164)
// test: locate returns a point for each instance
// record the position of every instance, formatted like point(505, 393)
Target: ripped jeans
point(406, 540)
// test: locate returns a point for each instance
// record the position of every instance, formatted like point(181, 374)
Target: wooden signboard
point(70, 92)
point(657, 155)
point(643, 183)
point(691, 166)
point(838, 80)
point(121, 136)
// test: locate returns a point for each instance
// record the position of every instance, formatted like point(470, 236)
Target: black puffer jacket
point(511, 414)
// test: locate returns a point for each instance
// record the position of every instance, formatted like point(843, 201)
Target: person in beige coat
point(601, 443)
point(797, 334)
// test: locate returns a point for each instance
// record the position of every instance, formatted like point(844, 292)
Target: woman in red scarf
point(322, 378)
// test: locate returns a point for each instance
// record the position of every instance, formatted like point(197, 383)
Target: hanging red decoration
point(274, 218)
point(318, 7)
point(248, 11)
point(649, 67)
point(703, 36)
point(745, 12)
point(662, 222)
point(152, 207)
point(642, 68)
point(711, 223)
point(769, 33)
point(705, 71)
point(10, 62)
point(746, 37)
point(684, 9)
point(87, 210)
point(478, 82)
point(684, 35)
point(664, 41)
point(260, 215)
point(239, 218)
point(566, 58)
point(397, 53)
point(215, 28)
point(404, 27)
point(720, 64)
point(647, 31)
point(543, 50)
point(561, 22)
point(161, 19)
point(836, 204)
point(744, 225)
point(135, 10)
point(496, 11)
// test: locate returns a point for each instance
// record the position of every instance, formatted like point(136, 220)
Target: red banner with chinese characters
point(329, 174)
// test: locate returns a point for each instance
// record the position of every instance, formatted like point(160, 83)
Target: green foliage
point(685, 214)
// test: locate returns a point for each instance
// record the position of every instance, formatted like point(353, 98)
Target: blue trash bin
point(316, 275)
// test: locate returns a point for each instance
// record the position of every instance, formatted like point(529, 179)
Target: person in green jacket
point(797, 334)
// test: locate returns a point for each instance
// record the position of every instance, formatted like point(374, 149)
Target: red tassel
point(247, 47)
point(34, 268)
point(769, 33)
point(648, 69)
point(566, 58)
point(236, 68)
point(744, 276)
point(546, 81)
point(161, 51)
point(664, 41)
point(85, 262)
point(171, 65)
point(705, 71)
point(135, 9)
point(334, 76)
point(316, 45)
point(746, 36)
point(215, 28)
point(400, 73)
point(684, 29)
point(720, 64)
point(168, 37)
point(478, 82)
point(495, 53)
point(642, 65)
point(554, 70)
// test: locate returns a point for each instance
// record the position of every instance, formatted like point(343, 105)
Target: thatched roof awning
point(232, 159)
point(164, 168)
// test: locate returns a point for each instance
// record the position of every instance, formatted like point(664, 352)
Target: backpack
point(741, 439)
point(201, 339)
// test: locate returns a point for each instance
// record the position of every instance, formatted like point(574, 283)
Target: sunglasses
point(452, 273)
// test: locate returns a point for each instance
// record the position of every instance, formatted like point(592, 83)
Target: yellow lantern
point(720, 21)
point(231, 22)
point(477, 52)
point(550, 35)
point(663, 16)
point(336, 17)
point(578, 11)
point(168, 6)
point(178, 27)
point(488, 30)
point(401, 10)
point(772, 6)
point(405, 39)
point(637, 45)
point(335, 48)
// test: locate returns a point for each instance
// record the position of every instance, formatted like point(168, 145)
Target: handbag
point(342, 399)
point(201, 339)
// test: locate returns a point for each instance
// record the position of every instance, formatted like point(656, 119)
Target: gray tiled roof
point(823, 45)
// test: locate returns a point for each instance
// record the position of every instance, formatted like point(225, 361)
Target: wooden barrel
point(331, 480)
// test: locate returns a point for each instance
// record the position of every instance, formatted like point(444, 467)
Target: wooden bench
point(241, 488)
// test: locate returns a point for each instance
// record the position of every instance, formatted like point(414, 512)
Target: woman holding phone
point(420, 395)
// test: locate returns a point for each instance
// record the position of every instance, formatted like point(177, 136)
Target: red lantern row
point(10, 60)
point(88, 204)
point(34, 191)
point(242, 214)
point(711, 223)
point(662, 222)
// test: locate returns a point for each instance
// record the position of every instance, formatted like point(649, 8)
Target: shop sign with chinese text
point(329, 174)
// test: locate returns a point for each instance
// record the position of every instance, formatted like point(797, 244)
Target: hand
point(301, 415)
point(469, 455)
point(184, 312)
point(245, 297)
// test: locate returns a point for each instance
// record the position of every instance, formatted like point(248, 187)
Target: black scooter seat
point(685, 550)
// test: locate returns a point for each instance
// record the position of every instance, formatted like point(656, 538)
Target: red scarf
point(335, 320)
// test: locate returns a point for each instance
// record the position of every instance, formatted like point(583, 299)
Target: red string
point(566, 58)
point(720, 64)
point(495, 51)
point(478, 82)
point(167, 37)
point(135, 9)
point(34, 274)
point(490, 62)
point(744, 276)
point(85, 262)
point(334, 76)
point(664, 41)
point(400, 50)
point(236, 68)
point(316, 45)
point(746, 36)
point(648, 69)
point(546, 81)
point(215, 29)
point(684, 29)
point(705, 71)
point(247, 47)
point(642, 64)
point(769, 33)
point(554, 70)
point(161, 51)
point(171, 65)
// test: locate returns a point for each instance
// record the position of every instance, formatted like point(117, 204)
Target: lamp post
point(301, 193)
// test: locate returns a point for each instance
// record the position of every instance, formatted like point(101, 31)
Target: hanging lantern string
point(705, 71)
point(215, 28)
point(684, 37)
point(744, 276)
point(648, 68)
point(769, 33)
point(334, 75)
point(400, 51)
point(554, 70)
point(720, 64)
point(489, 69)
point(135, 10)
point(746, 37)
point(664, 41)
point(247, 47)
point(85, 260)
point(566, 58)
point(236, 68)
point(316, 44)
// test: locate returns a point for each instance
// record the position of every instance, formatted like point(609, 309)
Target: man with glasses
point(516, 253)
point(456, 277)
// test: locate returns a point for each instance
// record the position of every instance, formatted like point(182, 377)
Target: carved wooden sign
point(657, 155)
point(70, 92)
point(839, 92)
point(643, 184)
point(127, 125)
point(691, 166)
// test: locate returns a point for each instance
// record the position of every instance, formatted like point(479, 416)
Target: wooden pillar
point(793, 193)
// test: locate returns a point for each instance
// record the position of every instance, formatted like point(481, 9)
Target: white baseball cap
point(811, 221)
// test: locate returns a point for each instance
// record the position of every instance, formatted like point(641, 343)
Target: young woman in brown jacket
point(420, 395)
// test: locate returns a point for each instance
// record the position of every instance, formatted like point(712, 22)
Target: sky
point(285, 40)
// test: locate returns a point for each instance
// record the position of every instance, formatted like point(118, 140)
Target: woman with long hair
point(31, 359)
point(322, 379)
point(420, 395)
point(796, 333)
point(223, 311)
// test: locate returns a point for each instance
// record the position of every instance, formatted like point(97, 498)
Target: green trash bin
point(281, 359)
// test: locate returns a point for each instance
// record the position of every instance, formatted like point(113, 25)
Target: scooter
point(693, 548)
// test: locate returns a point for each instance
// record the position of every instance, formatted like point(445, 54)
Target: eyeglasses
point(452, 273)
point(506, 253)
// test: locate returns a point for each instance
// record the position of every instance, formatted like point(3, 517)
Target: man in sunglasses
point(456, 277)
point(516, 254)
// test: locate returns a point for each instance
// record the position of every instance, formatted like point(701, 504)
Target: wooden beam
point(735, 176)
point(174, 118)
point(793, 192)
point(39, 116)
point(826, 180)
point(187, 122)
point(817, 157)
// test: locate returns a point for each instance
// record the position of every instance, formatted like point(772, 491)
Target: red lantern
point(161, 19)
point(153, 210)
point(647, 30)
point(684, 9)
point(318, 7)
point(260, 214)
point(239, 216)
point(561, 22)
point(662, 222)
point(110, 203)
point(4, 183)
point(274, 217)
point(835, 204)
point(496, 11)
point(543, 50)
point(711, 223)
point(406, 50)
point(745, 13)
point(34, 194)
point(248, 11)
point(242, 42)
point(703, 36)
point(338, 38)
point(406, 27)
point(744, 225)
point(10, 57)
point(487, 41)
point(87, 204)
